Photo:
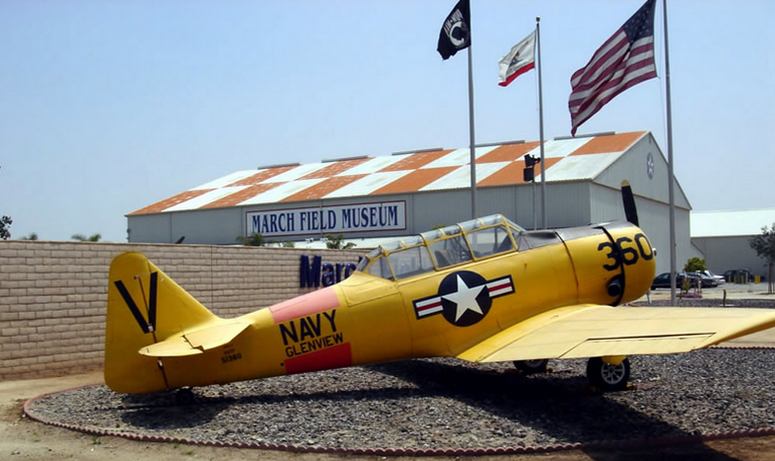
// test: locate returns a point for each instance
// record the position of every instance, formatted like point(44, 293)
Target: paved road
point(735, 295)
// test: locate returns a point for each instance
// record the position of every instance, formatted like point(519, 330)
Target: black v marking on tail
point(152, 300)
point(150, 325)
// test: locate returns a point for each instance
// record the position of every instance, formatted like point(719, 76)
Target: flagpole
point(472, 141)
point(541, 126)
point(670, 191)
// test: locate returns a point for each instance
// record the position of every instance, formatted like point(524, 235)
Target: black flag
point(456, 32)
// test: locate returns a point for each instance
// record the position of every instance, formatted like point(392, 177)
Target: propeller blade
point(628, 200)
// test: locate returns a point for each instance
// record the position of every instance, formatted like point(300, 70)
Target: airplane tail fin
point(145, 307)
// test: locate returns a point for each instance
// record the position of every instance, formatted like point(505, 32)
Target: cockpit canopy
point(440, 248)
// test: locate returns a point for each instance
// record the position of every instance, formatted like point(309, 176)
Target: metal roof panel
point(461, 176)
point(224, 181)
point(559, 148)
point(261, 175)
point(162, 205)
point(578, 167)
point(279, 193)
point(335, 168)
point(373, 165)
point(434, 169)
point(367, 184)
point(414, 180)
point(298, 172)
point(459, 157)
point(415, 161)
point(507, 152)
point(611, 143)
point(324, 187)
point(512, 173)
point(208, 197)
point(238, 197)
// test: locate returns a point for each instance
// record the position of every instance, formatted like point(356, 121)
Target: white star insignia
point(465, 298)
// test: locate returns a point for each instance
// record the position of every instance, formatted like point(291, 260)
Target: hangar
point(723, 237)
point(409, 192)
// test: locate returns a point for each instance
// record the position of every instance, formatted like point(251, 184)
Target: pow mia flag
point(455, 33)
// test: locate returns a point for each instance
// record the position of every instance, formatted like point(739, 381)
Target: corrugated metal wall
point(567, 205)
point(725, 253)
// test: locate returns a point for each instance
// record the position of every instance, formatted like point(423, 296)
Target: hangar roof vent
point(421, 151)
point(586, 135)
point(279, 165)
point(502, 143)
point(342, 159)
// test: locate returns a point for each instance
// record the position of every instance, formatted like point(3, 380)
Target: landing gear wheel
point(607, 377)
point(184, 396)
point(531, 366)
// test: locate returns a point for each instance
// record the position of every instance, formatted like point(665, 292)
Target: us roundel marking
point(464, 298)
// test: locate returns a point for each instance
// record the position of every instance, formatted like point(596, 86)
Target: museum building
point(370, 198)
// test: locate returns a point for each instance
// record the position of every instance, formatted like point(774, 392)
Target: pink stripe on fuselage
point(310, 303)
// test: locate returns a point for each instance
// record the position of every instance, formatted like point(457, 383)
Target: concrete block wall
point(53, 295)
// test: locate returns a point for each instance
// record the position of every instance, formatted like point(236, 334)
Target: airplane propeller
point(628, 200)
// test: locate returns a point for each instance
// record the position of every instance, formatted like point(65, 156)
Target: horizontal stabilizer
point(196, 341)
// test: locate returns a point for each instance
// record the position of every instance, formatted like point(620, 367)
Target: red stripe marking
point(579, 104)
point(516, 74)
point(310, 303)
point(429, 306)
point(584, 75)
point(332, 357)
point(502, 285)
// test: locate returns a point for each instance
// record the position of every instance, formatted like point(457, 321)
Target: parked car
point(661, 281)
point(706, 280)
point(719, 278)
point(695, 279)
point(738, 276)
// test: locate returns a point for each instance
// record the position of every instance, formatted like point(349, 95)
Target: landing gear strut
point(531, 366)
point(606, 376)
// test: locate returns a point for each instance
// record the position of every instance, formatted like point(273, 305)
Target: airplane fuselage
point(441, 312)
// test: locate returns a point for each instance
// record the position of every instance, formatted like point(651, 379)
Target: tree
point(83, 238)
point(336, 242)
point(764, 245)
point(5, 227)
point(32, 236)
point(695, 264)
point(253, 240)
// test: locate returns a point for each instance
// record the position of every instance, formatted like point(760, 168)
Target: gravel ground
point(446, 403)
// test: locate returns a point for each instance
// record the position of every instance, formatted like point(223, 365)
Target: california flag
point(519, 60)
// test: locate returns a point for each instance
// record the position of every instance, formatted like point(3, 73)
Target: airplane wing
point(196, 341)
point(590, 330)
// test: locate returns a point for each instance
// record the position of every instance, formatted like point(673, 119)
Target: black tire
point(608, 378)
point(531, 366)
point(184, 396)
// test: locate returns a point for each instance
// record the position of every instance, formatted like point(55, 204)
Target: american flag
point(624, 60)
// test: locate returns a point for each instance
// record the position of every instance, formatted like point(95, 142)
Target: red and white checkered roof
point(496, 165)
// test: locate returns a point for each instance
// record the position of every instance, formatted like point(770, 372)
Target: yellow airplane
point(484, 290)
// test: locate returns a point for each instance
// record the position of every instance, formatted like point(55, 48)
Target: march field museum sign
point(328, 219)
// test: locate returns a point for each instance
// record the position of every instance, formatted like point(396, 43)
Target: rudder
point(145, 306)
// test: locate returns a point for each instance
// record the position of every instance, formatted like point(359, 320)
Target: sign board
point(338, 219)
point(313, 272)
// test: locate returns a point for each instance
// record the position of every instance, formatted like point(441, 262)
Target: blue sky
point(108, 106)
